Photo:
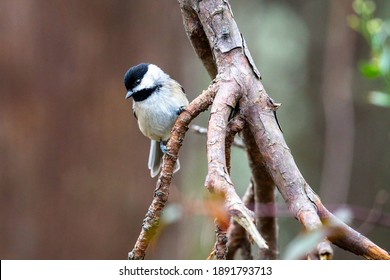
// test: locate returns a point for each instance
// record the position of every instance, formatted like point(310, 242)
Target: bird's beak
point(129, 94)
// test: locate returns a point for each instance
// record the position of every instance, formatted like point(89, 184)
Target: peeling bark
point(216, 39)
point(241, 83)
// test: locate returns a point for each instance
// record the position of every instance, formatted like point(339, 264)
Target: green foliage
point(376, 31)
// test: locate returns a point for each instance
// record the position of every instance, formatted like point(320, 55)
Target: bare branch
point(214, 34)
point(218, 180)
point(347, 238)
point(203, 131)
point(225, 41)
point(161, 193)
point(234, 126)
point(197, 36)
point(264, 198)
point(237, 236)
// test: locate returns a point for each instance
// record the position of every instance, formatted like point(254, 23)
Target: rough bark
point(161, 193)
point(237, 236)
point(264, 198)
point(216, 39)
point(241, 83)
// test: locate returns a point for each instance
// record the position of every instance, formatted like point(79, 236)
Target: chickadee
point(157, 102)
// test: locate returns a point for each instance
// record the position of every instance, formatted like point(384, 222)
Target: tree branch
point(161, 193)
point(346, 237)
point(240, 83)
point(226, 40)
point(237, 236)
point(203, 131)
point(235, 125)
point(264, 198)
point(197, 36)
point(219, 44)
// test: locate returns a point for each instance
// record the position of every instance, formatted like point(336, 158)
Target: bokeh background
point(74, 182)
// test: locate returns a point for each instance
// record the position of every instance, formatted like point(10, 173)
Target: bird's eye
point(137, 82)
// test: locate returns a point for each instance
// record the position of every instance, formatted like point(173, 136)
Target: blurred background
point(74, 182)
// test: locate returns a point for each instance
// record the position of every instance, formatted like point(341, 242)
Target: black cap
point(134, 75)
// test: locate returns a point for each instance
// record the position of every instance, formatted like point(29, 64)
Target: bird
point(157, 102)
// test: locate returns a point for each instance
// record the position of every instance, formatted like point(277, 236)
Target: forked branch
point(161, 193)
point(216, 39)
point(213, 22)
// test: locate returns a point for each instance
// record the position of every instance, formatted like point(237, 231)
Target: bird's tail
point(155, 159)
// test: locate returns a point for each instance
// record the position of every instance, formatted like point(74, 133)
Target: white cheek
point(146, 82)
point(154, 76)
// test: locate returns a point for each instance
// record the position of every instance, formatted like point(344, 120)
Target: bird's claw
point(180, 110)
point(164, 149)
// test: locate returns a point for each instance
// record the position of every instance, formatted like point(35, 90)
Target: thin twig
point(161, 193)
point(203, 131)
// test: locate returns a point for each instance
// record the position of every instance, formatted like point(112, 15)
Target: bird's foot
point(180, 110)
point(164, 149)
